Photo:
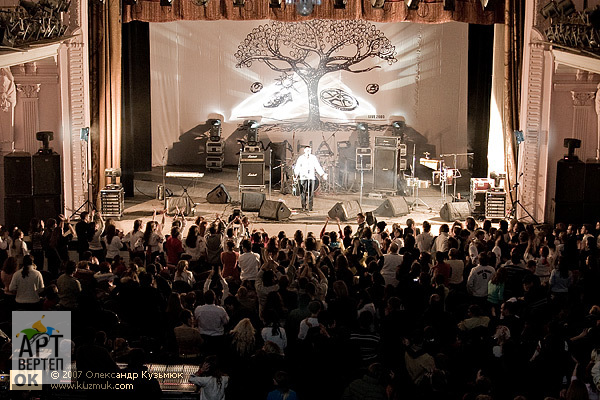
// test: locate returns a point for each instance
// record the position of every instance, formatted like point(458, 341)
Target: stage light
point(304, 7)
point(166, 3)
point(412, 4)
point(565, 7)
point(252, 132)
point(364, 139)
point(549, 10)
point(398, 128)
point(45, 137)
point(239, 3)
point(449, 5)
point(275, 4)
point(215, 129)
point(571, 144)
point(339, 4)
point(377, 3)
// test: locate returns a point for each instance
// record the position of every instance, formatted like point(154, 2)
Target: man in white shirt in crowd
point(424, 240)
point(477, 283)
point(305, 168)
point(457, 267)
point(389, 265)
point(211, 320)
point(441, 242)
point(249, 263)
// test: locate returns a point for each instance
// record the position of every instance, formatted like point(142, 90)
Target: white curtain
point(193, 75)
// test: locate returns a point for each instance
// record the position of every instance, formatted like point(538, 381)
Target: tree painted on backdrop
point(313, 49)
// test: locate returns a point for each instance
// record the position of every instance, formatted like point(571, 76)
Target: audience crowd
point(388, 311)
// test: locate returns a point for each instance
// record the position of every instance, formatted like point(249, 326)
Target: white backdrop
point(193, 77)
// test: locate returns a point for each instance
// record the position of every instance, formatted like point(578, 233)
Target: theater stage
point(142, 205)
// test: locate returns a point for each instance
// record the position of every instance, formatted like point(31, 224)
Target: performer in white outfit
point(305, 168)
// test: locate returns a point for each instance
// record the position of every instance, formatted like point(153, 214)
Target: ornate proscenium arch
point(312, 49)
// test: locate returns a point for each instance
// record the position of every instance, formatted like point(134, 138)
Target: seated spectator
point(475, 319)
point(182, 273)
point(282, 390)
point(371, 386)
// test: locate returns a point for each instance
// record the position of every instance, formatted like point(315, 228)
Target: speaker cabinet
point(592, 183)
point(453, 211)
point(570, 181)
point(18, 211)
point(45, 207)
point(276, 210)
point(17, 175)
point(218, 195)
point(252, 174)
point(385, 169)
point(478, 203)
point(568, 212)
point(345, 210)
point(393, 207)
point(47, 179)
point(251, 201)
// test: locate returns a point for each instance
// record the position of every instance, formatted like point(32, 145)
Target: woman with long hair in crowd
point(135, 241)
point(18, 248)
point(153, 238)
point(182, 273)
point(210, 379)
point(36, 234)
point(27, 284)
point(113, 242)
point(195, 247)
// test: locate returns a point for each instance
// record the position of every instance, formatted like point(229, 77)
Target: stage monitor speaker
point(17, 174)
point(18, 211)
point(45, 207)
point(47, 179)
point(345, 210)
point(385, 168)
point(252, 174)
point(452, 211)
point(181, 202)
point(592, 182)
point(570, 181)
point(251, 201)
point(276, 210)
point(568, 212)
point(218, 195)
point(393, 207)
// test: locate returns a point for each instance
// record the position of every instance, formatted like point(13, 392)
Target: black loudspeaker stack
point(32, 186)
point(577, 195)
point(276, 210)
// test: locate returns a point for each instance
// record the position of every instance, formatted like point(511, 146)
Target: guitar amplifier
point(254, 157)
point(364, 159)
point(252, 173)
point(386, 141)
point(478, 203)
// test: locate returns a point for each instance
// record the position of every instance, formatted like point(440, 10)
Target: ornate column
point(597, 104)
point(583, 103)
point(8, 99)
point(28, 97)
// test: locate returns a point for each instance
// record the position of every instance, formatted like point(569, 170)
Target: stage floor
point(144, 202)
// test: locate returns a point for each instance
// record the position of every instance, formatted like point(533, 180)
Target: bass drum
point(296, 187)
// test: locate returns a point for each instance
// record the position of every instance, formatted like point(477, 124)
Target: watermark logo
point(41, 348)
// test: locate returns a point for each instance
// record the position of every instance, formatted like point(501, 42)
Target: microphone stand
point(164, 176)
